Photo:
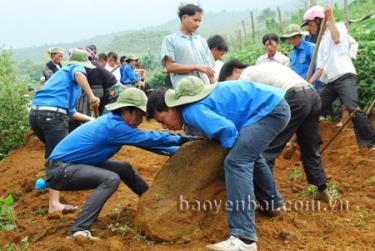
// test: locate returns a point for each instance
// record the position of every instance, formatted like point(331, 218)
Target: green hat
point(130, 97)
point(293, 30)
point(189, 89)
point(55, 50)
point(79, 56)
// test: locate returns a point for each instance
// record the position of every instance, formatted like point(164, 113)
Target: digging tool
point(289, 154)
point(370, 108)
point(352, 115)
point(95, 112)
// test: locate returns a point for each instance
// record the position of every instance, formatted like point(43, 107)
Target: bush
point(156, 78)
point(13, 106)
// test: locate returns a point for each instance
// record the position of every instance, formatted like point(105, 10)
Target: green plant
point(7, 217)
point(371, 180)
point(119, 228)
point(309, 191)
point(156, 78)
point(294, 174)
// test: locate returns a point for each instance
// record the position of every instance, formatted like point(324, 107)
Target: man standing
point(218, 48)
point(334, 60)
point(186, 53)
point(270, 42)
point(54, 65)
point(129, 76)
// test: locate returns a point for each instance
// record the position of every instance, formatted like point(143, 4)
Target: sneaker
point(83, 235)
point(233, 244)
point(273, 212)
point(323, 196)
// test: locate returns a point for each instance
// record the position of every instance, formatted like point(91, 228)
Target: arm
point(81, 117)
point(318, 73)
point(82, 81)
point(186, 68)
point(335, 34)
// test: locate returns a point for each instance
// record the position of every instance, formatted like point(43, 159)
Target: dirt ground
point(347, 225)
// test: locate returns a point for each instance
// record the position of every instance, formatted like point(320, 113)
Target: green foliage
point(13, 106)
point(119, 228)
point(294, 174)
point(7, 218)
point(156, 78)
point(371, 180)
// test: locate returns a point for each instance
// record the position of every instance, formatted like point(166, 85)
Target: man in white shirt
point(113, 66)
point(218, 48)
point(334, 60)
point(304, 105)
point(270, 42)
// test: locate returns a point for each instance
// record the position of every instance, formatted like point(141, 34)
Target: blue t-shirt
point(61, 90)
point(231, 106)
point(301, 57)
point(128, 75)
point(98, 140)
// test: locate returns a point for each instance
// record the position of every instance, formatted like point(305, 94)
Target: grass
point(294, 174)
point(371, 180)
point(7, 217)
point(119, 228)
point(311, 191)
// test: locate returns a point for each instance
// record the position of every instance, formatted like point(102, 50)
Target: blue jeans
point(246, 169)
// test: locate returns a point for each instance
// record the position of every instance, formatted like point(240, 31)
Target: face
point(312, 27)
point(235, 74)
point(217, 54)
point(112, 61)
point(170, 119)
point(57, 57)
point(102, 62)
point(295, 40)
point(271, 47)
point(191, 23)
point(134, 118)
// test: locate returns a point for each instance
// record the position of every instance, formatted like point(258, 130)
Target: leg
point(327, 96)
point(81, 177)
point(127, 174)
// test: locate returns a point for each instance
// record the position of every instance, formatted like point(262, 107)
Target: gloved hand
point(187, 138)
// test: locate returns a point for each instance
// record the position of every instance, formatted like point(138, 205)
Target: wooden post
point(244, 29)
point(252, 27)
point(280, 20)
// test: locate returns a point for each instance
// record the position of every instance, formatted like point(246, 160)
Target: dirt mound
point(338, 227)
point(180, 203)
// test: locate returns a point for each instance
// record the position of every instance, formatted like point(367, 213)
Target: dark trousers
point(345, 88)
point(305, 109)
point(104, 178)
point(50, 127)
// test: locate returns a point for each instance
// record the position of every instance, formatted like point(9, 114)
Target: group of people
point(253, 111)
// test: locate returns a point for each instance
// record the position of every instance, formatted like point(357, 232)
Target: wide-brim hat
point(294, 30)
point(131, 58)
point(188, 90)
point(130, 97)
point(80, 57)
point(55, 50)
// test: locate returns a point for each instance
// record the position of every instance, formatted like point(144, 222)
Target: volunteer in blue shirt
point(82, 159)
point(245, 117)
point(128, 74)
point(52, 105)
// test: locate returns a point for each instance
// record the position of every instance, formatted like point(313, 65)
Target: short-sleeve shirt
point(184, 49)
point(335, 59)
point(277, 58)
point(61, 90)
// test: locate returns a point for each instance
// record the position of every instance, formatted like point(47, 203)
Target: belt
point(50, 164)
point(49, 108)
point(300, 88)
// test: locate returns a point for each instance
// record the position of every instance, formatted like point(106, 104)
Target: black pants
point(304, 121)
point(105, 178)
point(345, 88)
point(50, 127)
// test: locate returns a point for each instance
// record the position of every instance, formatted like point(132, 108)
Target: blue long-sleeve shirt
point(98, 140)
point(61, 90)
point(231, 106)
point(300, 58)
point(129, 75)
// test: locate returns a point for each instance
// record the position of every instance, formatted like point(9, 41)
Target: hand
point(328, 13)
point(187, 138)
point(206, 69)
point(94, 102)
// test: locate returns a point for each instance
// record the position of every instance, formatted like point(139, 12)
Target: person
point(257, 114)
point(112, 65)
point(54, 64)
point(91, 49)
point(102, 59)
point(231, 70)
point(82, 161)
point(185, 53)
point(218, 48)
point(52, 105)
point(334, 61)
point(301, 54)
point(270, 42)
point(304, 105)
point(129, 76)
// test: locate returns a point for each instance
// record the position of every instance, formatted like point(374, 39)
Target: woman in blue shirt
point(52, 105)
point(245, 117)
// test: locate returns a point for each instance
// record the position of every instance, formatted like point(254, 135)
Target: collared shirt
point(335, 59)
point(61, 90)
point(277, 58)
point(300, 58)
point(115, 71)
point(183, 49)
point(218, 65)
point(311, 38)
point(231, 106)
point(129, 75)
point(273, 74)
point(98, 140)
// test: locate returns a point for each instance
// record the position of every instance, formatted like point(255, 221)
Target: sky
point(26, 23)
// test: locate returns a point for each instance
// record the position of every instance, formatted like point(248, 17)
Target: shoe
point(83, 235)
point(273, 212)
point(233, 244)
point(323, 196)
point(68, 209)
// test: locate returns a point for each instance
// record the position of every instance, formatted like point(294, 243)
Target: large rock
point(187, 199)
